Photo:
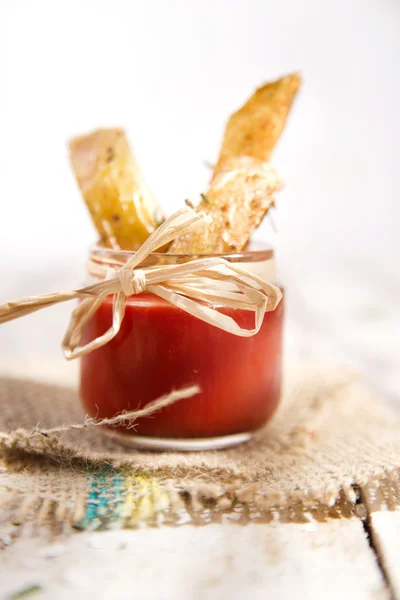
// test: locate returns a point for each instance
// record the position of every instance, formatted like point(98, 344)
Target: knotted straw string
point(193, 286)
point(126, 418)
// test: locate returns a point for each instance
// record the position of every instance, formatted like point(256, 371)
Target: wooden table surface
point(352, 557)
point(356, 556)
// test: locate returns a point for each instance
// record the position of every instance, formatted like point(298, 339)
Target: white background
point(171, 72)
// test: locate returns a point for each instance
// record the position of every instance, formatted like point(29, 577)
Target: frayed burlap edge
point(34, 498)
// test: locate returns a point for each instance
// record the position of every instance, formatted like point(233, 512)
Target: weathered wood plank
point(307, 561)
point(382, 501)
point(385, 528)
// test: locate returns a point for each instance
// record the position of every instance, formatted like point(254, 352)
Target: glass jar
point(160, 348)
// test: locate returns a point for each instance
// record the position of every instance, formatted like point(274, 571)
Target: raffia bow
point(197, 287)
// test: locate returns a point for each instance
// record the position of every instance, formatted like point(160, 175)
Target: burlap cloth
point(329, 436)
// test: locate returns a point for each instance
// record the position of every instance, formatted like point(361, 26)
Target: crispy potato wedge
point(236, 202)
point(122, 208)
point(243, 184)
point(255, 128)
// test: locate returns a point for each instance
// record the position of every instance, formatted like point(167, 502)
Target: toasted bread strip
point(121, 206)
point(236, 202)
point(255, 128)
point(243, 184)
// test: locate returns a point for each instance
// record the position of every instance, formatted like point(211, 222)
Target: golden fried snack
point(255, 128)
point(121, 206)
point(236, 202)
point(243, 183)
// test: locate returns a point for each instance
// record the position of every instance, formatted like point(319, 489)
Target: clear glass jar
point(160, 348)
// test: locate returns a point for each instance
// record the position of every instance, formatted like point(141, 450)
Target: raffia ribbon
point(17, 438)
point(197, 287)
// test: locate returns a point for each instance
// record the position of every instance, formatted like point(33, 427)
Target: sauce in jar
point(160, 348)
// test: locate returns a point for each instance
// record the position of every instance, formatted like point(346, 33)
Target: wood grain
point(382, 500)
point(312, 560)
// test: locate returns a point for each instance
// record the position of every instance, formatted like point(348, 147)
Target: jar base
point(180, 444)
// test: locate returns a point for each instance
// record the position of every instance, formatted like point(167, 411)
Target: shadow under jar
point(160, 348)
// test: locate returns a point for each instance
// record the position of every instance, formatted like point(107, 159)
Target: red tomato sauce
point(160, 348)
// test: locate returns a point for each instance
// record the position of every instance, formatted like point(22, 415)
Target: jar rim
point(101, 259)
point(256, 251)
